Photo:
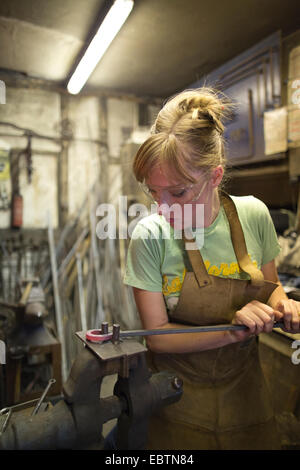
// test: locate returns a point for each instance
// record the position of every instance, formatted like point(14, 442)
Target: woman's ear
point(217, 175)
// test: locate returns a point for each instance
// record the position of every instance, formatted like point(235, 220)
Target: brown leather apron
point(225, 402)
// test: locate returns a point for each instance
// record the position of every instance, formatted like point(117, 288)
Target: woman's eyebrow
point(173, 186)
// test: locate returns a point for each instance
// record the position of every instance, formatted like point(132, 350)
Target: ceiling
point(164, 46)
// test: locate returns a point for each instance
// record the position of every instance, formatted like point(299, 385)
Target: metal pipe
point(243, 70)
point(230, 82)
point(250, 122)
point(250, 58)
point(58, 140)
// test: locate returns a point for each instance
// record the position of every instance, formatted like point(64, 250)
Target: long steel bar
point(194, 329)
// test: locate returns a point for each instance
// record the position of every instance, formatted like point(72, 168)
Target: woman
point(229, 276)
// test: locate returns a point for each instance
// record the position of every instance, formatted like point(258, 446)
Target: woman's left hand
point(291, 315)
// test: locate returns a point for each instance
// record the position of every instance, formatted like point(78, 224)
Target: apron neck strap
point(239, 246)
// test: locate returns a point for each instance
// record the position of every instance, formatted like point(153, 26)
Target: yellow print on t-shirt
point(175, 285)
point(224, 269)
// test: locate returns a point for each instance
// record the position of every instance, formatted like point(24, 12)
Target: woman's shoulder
point(253, 212)
point(153, 225)
point(249, 204)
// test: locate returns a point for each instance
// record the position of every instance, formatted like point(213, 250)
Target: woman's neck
point(212, 208)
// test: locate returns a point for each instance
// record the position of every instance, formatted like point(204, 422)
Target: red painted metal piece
point(96, 336)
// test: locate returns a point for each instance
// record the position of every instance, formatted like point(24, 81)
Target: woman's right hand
point(257, 316)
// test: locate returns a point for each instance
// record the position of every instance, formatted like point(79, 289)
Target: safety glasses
point(171, 194)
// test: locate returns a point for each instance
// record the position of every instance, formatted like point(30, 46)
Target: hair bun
point(204, 104)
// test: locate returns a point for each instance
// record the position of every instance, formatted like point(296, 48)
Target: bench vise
point(76, 420)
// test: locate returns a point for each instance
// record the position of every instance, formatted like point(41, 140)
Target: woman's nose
point(163, 197)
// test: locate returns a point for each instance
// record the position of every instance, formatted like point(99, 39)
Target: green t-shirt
point(156, 255)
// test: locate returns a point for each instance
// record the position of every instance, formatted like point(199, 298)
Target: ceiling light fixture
point(107, 31)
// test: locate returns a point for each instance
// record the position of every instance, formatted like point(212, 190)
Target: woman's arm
point(279, 300)
point(153, 315)
point(258, 317)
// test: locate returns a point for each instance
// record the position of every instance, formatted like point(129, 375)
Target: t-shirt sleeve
point(143, 261)
point(267, 233)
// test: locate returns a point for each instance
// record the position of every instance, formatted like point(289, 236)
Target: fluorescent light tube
point(107, 31)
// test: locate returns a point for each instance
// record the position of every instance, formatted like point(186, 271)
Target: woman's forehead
point(167, 176)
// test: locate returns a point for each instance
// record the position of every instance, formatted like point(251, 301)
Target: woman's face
point(180, 203)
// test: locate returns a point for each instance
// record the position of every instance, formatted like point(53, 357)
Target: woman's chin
point(176, 224)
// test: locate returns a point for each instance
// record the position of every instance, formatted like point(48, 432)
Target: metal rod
point(25, 404)
point(57, 303)
point(39, 403)
point(6, 421)
point(73, 250)
point(194, 329)
point(81, 293)
point(96, 263)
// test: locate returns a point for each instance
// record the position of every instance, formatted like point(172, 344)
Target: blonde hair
point(187, 135)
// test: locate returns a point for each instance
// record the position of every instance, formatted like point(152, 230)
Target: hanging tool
point(99, 336)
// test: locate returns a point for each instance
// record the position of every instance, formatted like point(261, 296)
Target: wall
point(48, 115)
point(38, 111)
point(83, 153)
point(122, 119)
